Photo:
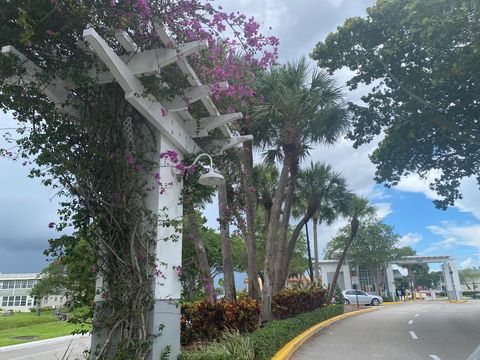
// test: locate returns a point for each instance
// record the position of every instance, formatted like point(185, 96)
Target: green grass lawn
point(42, 327)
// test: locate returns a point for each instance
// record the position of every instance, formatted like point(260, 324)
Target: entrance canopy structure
point(450, 273)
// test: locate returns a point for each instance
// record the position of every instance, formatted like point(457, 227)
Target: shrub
point(338, 295)
point(231, 346)
point(290, 302)
point(271, 338)
point(388, 298)
point(202, 320)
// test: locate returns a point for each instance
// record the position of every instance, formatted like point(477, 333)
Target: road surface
point(430, 330)
point(55, 349)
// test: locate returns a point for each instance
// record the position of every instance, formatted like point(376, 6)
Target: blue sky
point(26, 207)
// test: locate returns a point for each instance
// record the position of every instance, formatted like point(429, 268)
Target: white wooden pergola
point(177, 130)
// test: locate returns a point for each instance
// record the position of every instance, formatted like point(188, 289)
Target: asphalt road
point(56, 350)
point(411, 331)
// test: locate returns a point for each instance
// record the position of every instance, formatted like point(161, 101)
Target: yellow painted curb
point(293, 345)
point(392, 302)
point(458, 301)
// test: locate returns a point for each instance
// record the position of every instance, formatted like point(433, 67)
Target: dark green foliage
point(291, 302)
point(338, 295)
point(204, 320)
point(420, 59)
point(268, 340)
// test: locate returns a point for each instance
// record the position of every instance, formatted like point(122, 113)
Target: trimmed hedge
point(271, 338)
point(291, 302)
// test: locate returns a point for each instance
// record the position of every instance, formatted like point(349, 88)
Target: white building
point(15, 293)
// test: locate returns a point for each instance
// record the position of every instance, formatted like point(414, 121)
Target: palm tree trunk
point(204, 268)
point(315, 247)
point(250, 238)
point(281, 253)
point(269, 268)
point(309, 254)
point(353, 232)
point(228, 276)
point(291, 245)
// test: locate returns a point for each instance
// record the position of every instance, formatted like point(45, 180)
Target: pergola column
point(452, 280)
point(390, 281)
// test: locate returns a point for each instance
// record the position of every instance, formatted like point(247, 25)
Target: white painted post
point(390, 281)
point(452, 280)
point(164, 318)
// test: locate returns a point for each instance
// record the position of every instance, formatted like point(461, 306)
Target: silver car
point(350, 297)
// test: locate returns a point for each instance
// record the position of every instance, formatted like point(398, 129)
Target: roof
point(22, 276)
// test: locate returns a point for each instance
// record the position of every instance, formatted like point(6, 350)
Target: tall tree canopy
point(420, 59)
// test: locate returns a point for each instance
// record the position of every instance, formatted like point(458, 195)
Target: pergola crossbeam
point(191, 77)
point(134, 94)
point(54, 90)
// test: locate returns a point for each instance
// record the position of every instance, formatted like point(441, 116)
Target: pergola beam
point(134, 94)
point(54, 90)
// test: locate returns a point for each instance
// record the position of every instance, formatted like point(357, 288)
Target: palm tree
point(297, 113)
point(358, 208)
point(314, 185)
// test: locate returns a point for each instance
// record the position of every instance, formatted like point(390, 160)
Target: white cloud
point(410, 239)
point(454, 235)
point(383, 209)
point(467, 263)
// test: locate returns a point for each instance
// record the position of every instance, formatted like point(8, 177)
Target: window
point(11, 299)
point(361, 293)
point(29, 303)
point(17, 300)
point(350, 292)
point(30, 284)
point(5, 284)
point(5, 301)
point(55, 299)
point(23, 301)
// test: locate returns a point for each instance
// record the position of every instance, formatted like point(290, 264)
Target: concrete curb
point(8, 348)
point(289, 349)
point(458, 301)
point(393, 302)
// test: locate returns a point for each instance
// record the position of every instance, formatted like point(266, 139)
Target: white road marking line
point(413, 335)
point(475, 355)
point(434, 357)
point(410, 322)
point(416, 315)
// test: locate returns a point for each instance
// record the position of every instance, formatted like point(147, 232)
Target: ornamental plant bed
point(266, 341)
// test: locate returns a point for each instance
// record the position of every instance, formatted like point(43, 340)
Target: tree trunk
point(266, 312)
point(309, 254)
point(250, 238)
point(281, 254)
point(228, 277)
point(291, 245)
point(315, 247)
point(353, 232)
point(203, 266)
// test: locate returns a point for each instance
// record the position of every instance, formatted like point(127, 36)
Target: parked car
point(350, 297)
